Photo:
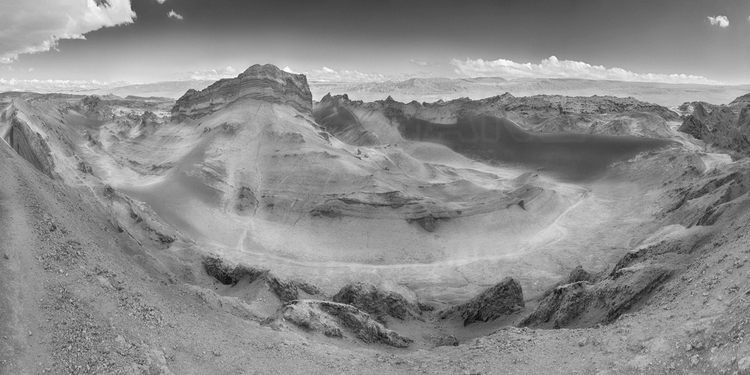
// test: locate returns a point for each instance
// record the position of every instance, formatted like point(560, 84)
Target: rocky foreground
point(106, 269)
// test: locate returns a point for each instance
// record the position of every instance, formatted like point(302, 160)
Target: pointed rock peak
point(699, 111)
point(260, 82)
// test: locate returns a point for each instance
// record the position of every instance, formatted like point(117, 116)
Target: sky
point(97, 42)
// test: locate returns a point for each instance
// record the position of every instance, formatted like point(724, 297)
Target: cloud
point(161, 1)
point(175, 15)
point(289, 70)
point(721, 21)
point(211, 74)
point(53, 85)
point(326, 74)
point(552, 67)
point(37, 26)
point(420, 63)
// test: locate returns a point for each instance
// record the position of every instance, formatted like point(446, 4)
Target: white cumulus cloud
point(326, 74)
point(288, 70)
point(721, 21)
point(552, 67)
point(175, 15)
point(37, 26)
point(212, 74)
point(419, 62)
point(53, 85)
point(161, 1)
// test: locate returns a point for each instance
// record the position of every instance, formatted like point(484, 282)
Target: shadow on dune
point(570, 156)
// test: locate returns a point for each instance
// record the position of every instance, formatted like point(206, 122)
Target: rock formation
point(505, 298)
point(541, 113)
point(338, 120)
point(29, 143)
point(261, 82)
point(744, 99)
point(334, 319)
point(583, 304)
point(376, 302)
point(725, 127)
point(513, 130)
point(232, 275)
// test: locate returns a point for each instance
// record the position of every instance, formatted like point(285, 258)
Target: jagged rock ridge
point(726, 127)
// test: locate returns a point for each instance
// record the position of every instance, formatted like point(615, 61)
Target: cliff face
point(726, 127)
point(334, 116)
point(261, 82)
point(28, 143)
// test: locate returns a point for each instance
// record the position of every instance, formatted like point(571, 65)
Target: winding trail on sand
point(560, 233)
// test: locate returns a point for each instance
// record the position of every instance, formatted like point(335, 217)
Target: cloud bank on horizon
point(552, 67)
point(37, 26)
point(326, 74)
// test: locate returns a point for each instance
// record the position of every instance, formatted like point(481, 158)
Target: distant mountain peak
point(259, 82)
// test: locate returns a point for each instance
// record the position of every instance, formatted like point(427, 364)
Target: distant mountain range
point(433, 89)
point(429, 89)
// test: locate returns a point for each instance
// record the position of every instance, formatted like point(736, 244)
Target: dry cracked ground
point(246, 229)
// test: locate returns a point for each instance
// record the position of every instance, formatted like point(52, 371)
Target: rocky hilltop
point(726, 127)
point(577, 137)
point(744, 99)
point(260, 82)
point(600, 115)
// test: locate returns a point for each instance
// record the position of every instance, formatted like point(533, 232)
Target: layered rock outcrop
point(333, 115)
point(260, 82)
point(583, 304)
point(335, 319)
point(505, 298)
point(286, 290)
point(377, 302)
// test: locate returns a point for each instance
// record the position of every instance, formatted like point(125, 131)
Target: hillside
point(245, 227)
